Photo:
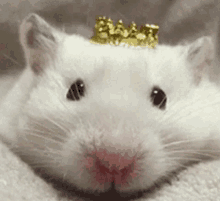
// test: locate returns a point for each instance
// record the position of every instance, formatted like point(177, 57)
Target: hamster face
point(102, 117)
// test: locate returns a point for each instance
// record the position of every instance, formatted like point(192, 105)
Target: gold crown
point(107, 33)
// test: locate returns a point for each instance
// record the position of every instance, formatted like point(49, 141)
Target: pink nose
point(111, 167)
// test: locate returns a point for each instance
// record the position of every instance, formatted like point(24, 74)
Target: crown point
point(133, 24)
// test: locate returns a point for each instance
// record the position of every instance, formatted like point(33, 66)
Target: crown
point(107, 33)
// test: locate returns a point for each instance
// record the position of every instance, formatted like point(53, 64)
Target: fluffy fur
point(116, 116)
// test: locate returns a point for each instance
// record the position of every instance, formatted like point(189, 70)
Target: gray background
point(178, 20)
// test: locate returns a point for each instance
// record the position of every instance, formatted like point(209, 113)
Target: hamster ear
point(39, 41)
point(200, 56)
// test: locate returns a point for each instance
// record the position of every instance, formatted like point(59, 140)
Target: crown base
point(125, 42)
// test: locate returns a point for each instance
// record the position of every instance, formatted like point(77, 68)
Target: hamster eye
point(158, 98)
point(76, 90)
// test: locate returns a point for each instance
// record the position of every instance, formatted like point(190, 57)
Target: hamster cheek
point(189, 139)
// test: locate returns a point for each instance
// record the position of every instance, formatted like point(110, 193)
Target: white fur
point(116, 114)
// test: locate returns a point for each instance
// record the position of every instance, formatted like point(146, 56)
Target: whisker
point(42, 125)
point(57, 124)
point(197, 151)
point(44, 154)
point(36, 131)
point(41, 165)
point(179, 164)
point(187, 141)
point(45, 151)
point(191, 152)
point(187, 159)
point(46, 138)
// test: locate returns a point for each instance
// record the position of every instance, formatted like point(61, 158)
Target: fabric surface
point(19, 183)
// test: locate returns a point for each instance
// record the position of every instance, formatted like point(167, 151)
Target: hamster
point(102, 118)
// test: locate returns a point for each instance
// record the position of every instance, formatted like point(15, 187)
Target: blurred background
point(179, 20)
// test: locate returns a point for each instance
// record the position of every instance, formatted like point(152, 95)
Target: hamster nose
point(111, 167)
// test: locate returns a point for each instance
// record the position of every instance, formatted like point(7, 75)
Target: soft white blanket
point(19, 183)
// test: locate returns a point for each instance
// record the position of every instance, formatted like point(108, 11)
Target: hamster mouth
point(110, 168)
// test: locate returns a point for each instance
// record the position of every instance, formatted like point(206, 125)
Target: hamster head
point(105, 118)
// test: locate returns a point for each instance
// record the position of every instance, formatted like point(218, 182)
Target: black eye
point(158, 98)
point(76, 90)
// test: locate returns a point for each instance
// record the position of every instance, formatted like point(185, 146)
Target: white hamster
point(102, 117)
